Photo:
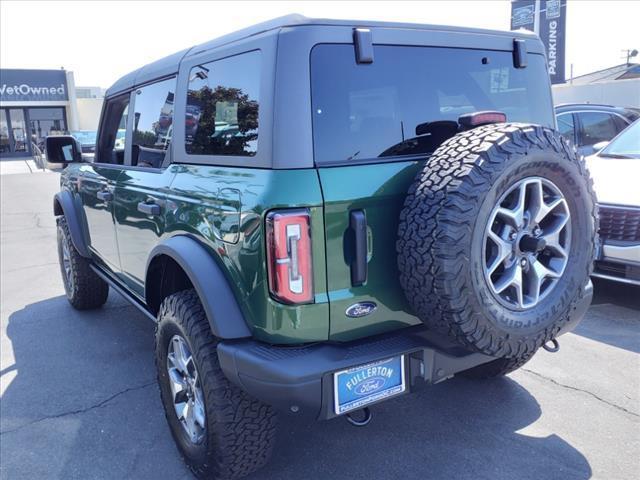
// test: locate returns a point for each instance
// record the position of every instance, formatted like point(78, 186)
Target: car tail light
point(289, 261)
point(475, 119)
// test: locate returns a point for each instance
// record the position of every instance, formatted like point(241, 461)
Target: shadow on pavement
point(82, 402)
point(622, 294)
point(614, 316)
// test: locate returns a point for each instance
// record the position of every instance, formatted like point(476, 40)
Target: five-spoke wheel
point(188, 400)
point(526, 244)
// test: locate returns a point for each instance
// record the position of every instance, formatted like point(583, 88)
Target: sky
point(101, 41)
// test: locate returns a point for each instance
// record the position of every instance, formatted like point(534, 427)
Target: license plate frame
point(362, 385)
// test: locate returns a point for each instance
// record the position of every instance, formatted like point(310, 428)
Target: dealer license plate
point(359, 386)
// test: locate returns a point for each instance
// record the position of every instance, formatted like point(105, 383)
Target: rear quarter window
point(222, 112)
point(374, 110)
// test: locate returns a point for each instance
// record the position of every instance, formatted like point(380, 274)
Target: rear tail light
point(289, 261)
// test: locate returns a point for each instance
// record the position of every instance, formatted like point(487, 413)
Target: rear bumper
point(300, 379)
point(618, 262)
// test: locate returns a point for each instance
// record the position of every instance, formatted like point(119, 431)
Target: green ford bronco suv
point(318, 214)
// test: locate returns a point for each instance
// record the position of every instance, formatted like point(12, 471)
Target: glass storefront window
point(44, 122)
point(18, 130)
point(5, 146)
point(19, 127)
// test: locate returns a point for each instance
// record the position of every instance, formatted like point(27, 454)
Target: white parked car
point(615, 169)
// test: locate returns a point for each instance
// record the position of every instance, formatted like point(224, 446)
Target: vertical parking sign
point(553, 20)
point(547, 18)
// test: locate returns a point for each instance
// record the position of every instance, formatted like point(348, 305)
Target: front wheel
point(85, 290)
point(220, 431)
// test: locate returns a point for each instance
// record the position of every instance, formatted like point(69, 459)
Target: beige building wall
point(620, 93)
point(89, 113)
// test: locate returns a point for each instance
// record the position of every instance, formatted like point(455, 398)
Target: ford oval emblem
point(361, 309)
point(370, 386)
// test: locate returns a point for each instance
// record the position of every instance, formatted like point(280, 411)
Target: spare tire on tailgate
point(497, 236)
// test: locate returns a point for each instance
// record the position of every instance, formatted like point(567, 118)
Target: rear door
point(371, 137)
point(141, 190)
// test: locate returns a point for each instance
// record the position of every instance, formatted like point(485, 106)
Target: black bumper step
point(300, 379)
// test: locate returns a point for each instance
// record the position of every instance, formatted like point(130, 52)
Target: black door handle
point(105, 195)
point(358, 226)
point(149, 208)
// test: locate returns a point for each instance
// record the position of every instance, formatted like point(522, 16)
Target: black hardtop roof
point(169, 65)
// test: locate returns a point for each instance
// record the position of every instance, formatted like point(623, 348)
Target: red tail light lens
point(476, 119)
point(289, 261)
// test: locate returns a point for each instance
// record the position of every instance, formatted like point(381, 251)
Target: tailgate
point(378, 191)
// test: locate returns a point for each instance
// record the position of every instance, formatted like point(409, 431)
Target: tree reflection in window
point(222, 107)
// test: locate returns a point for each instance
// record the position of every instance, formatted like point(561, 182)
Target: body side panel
point(224, 208)
point(137, 232)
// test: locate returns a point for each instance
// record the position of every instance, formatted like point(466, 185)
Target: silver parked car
point(615, 169)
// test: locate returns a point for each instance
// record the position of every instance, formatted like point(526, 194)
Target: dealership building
point(37, 103)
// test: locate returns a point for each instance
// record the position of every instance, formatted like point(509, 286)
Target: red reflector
point(289, 260)
point(481, 118)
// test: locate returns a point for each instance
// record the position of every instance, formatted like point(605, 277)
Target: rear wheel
point(220, 431)
point(496, 239)
point(84, 288)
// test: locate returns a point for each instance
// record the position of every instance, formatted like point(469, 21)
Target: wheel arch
point(181, 262)
point(64, 204)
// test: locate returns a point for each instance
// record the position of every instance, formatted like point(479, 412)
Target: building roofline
point(628, 65)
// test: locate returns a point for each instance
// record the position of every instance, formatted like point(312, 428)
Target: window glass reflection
point(18, 130)
point(222, 107)
point(153, 123)
point(388, 108)
point(5, 145)
point(44, 122)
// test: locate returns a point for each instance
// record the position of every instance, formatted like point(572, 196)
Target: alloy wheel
point(66, 263)
point(526, 243)
point(187, 396)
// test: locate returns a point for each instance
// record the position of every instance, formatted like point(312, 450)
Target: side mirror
point(63, 149)
point(600, 145)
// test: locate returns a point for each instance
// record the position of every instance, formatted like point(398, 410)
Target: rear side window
point(566, 127)
point(153, 123)
point(222, 107)
point(596, 127)
point(381, 109)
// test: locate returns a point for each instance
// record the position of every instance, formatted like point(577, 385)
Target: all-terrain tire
point(240, 431)
point(442, 229)
point(85, 290)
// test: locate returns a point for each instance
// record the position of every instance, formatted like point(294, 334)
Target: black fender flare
point(64, 204)
point(217, 297)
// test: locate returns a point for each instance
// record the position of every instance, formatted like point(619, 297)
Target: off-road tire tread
point(241, 430)
point(89, 290)
point(437, 220)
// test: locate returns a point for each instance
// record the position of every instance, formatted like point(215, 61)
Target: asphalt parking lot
point(79, 398)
